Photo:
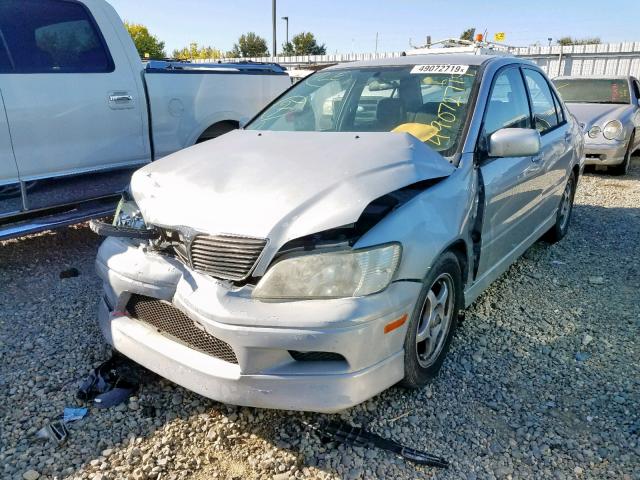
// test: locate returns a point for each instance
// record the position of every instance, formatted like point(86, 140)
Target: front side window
point(377, 99)
point(51, 36)
point(542, 103)
point(594, 90)
point(508, 106)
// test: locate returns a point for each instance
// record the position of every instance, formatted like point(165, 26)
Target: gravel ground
point(542, 381)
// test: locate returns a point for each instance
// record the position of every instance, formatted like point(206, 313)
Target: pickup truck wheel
point(623, 168)
point(218, 129)
point(433, 322)
point(563, 217)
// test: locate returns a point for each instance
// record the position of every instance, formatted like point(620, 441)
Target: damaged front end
point(237, 316)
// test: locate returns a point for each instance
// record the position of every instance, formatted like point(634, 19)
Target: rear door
point(557, 147)
point(10, 195)
point(73, 103)
point(509, 183)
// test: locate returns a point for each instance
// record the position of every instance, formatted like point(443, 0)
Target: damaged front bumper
point(314, 355)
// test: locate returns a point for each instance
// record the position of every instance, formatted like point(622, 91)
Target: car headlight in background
point(351, 273)
point(612, 130)
point(128, 214)
point(594, 131)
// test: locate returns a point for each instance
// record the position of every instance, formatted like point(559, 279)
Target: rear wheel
point(623, 168)
point(433, 322)
point(563, 217)
point(218, 129)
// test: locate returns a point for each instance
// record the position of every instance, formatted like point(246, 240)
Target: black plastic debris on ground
point(69, 273)
point(344, 433)
point(112, 383)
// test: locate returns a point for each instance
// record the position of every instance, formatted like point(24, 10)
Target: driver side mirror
point(514, 142)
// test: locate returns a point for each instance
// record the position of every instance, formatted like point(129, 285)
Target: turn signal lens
point(595, 131)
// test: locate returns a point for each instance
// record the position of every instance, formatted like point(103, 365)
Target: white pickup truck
point(79, 112)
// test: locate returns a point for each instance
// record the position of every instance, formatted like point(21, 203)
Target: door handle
point(120, 98)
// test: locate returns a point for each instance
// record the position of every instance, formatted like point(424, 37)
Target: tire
point(423, 359)
point(563, 216)
point(623, 168)
point(217, 130)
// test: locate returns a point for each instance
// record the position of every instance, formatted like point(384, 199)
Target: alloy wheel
point(435, 320)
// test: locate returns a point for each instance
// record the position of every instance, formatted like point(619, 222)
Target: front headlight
point(594, 131)
point(352, 273)
point(128, 214)
point(612, 130)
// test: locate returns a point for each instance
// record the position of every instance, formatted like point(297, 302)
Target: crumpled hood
point(280, 185)
point(591, 114)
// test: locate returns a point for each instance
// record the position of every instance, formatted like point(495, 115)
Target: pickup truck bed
point(79, 111)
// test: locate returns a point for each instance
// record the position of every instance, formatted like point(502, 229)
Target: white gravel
point(542, 381)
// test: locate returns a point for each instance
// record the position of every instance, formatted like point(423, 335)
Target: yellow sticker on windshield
point(419, 130)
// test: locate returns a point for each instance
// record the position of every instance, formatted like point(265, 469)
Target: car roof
point(428, 59)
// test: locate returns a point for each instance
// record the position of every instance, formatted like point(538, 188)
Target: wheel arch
point(218, 128)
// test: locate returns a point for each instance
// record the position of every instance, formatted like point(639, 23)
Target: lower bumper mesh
point(172, 322)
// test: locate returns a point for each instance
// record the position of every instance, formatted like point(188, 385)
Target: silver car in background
point(322, 254)
point(608, 109)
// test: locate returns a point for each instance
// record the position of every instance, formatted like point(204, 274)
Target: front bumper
point(261, 335)
point(605, 153)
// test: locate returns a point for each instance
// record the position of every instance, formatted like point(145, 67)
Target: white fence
point(582, 60)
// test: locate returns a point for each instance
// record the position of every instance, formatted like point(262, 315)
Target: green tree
point(249, 45)
point(564, 41)
point(468, 34)
point(303, 44)
point(148, 45)
point(194, 51)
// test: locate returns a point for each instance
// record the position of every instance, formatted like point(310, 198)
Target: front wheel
point(433, 322)
point(563, 217)
point(623, 168)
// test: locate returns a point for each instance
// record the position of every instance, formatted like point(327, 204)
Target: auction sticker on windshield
point(453, 69)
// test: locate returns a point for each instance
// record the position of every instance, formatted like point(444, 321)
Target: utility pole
point(376, 42)
point(273, 22)
point(286, 19)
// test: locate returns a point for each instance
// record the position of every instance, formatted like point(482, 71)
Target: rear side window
point(508, 106)
point(636, 89)
point(51, 36)
point(544, 108)
point(559, 111)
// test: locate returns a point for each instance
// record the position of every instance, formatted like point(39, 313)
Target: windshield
point(431, 106)
point(587, 90)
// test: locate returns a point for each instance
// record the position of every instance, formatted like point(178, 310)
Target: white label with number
point(450, 69)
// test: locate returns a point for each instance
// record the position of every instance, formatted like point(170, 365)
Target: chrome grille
point(175, 324)
point(224, 256)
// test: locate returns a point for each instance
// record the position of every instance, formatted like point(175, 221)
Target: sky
point(351, 26)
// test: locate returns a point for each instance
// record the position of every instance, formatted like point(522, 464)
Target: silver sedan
point(323, 253)
point(608, 109)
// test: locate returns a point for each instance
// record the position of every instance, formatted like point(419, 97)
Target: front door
point(509, 183)
point(10, 194)
point(75, 108)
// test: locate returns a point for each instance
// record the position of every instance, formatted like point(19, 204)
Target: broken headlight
point(128, 214)
point(349, 273)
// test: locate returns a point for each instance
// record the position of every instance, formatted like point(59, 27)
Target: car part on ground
point(344, 433)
